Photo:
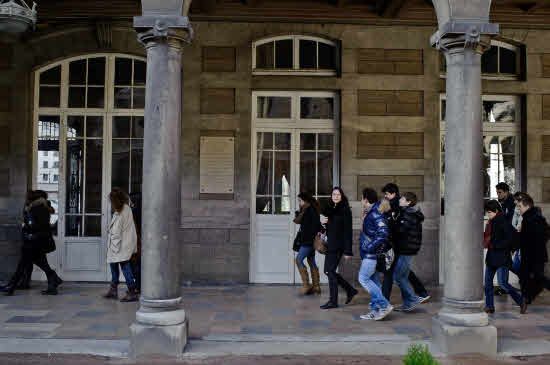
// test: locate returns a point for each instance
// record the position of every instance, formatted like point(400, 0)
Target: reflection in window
point(316, 164)
point(499, 163)
point(316, 108)
point(130, 76)
point(274, 107)
point(48, 140)
point(127, 153)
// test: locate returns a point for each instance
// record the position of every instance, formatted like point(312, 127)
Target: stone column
point(461, 326)
point(161, 323)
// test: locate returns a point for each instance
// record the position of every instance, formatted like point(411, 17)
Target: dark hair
point(118, 198)
point(370, 195)
point(503, 186)
point(308, 198)
point(390, 188)
point(493, 206)
point(345, 201)
point(519, 194)
point(411, 197)
point(33, 195)
point(527, 201)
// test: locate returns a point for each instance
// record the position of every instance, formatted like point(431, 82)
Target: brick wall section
point(390, 61)
point(404, 145)
point(413, 183)
point(218, 59)
point(546, 65)
point(217, 101)
point(390, 102)
point(546, 148)
point(546, 107)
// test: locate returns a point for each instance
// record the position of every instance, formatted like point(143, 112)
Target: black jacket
point(508, 207)
point(533, 238)
point(339, 229)
point(37, 234)
point(408, 236)
point(502, 238)
point(393, 217)
point(309, 226)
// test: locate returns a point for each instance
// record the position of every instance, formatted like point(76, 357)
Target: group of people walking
point(391, 236)
point(38, 241)
point(515, 227)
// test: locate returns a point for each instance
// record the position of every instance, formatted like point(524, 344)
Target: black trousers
point(28, 258)
point(332, 260)
point(416, 284)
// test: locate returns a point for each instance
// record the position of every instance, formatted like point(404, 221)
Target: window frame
point(296, 70)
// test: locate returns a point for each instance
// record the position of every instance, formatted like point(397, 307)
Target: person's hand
point(324, 220)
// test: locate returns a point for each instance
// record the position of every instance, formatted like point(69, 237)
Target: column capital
point(457, 35)
point(158, 28)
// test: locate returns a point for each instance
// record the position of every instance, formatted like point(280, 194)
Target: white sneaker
point(412, 306)
point(369, 316)
point(383, 313)
point(425, 299)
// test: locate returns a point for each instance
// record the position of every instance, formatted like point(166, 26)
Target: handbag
point(49, 245)
point(320, 243)
point(296, 244)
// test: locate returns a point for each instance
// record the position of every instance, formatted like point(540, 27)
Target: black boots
point(53, 282)
point(329, 305)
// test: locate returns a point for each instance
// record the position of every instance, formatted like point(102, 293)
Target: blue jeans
point(126, 271)
point(516, 263)
point(309, 252)
point(401, 277)
point(489, 294)
point(370, 280)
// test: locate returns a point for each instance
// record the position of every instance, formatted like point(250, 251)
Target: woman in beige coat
point(121, 245)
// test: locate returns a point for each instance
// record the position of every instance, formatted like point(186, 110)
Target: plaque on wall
point(217, 165)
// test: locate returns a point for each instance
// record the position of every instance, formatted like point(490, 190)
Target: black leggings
point(334, 279)
point(28, 258)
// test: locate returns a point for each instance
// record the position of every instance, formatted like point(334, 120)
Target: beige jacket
point(122, 239)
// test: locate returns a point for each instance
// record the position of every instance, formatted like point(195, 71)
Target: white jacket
point(122, 239)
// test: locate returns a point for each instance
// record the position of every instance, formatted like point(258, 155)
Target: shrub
point(419, 355)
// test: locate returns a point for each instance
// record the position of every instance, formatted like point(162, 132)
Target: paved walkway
point(221, 316)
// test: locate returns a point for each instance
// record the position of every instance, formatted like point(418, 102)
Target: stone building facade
point(387, 89)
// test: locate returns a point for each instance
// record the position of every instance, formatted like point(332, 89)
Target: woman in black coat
point(498, 239)
point(37, 242)
point(338, 222)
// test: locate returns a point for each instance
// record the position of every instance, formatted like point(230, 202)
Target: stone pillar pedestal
point(161, 324)
point(462, 326)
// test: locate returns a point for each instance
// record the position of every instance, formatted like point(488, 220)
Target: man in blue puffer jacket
point(373, 241)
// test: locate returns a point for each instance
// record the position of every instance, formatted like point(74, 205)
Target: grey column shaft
point(463, 177)
point(161, 259)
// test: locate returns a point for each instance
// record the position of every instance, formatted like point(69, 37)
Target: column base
point(155, 339)
point(453, 339)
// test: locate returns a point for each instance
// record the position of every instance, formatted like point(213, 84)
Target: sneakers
point(369, 316)
point(383, 313)
point(425, 298)
point(409, 308)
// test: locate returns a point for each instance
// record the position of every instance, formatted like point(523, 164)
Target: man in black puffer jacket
point(406, 243)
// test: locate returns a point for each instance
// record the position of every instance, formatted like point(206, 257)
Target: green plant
point(419, 355)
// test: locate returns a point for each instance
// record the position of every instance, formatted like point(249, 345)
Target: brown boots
point(307, 288)
point(112, 293)
point(315, 281)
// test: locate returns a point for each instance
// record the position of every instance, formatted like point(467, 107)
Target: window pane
point(489, 60)
point(49, 96)
point(94, 169)
point(307, 172)
point(308, 54)
point(140, 73)
point(263, 205)
point(499, 111)
point(75, 126)
point(51, 76)
point(94, 127)
point(307, 141)
point(282, 173)
point(265, 140)
point(317, 108)
point(508, 144)
point(77, 97)
point(137, 166)
point(96, 97)
point(75, 175)
point(121, 127)
point(96, 71)
point(122, 97)
point(508, 61)
point(48, 140)
point(264, 55)
point(284, 54)
point(138, 98)
point(274, 107)
point(123, 71)
point(121, 164)
point(73, 227)
point(327, 56)
point(265, 173)
point(282, 141)
point(443, 109)
point(77, 72)
point(324, 171)
point(509, 174)
point(92, 227)
point(138, 125)
point(326, 142)
point(282, 205)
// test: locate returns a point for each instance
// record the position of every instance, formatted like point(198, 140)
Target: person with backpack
point(532, 245)
point(372, 243)
point(498, 239)
point(309, 220)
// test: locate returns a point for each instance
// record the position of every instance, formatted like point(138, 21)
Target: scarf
point(487, 233)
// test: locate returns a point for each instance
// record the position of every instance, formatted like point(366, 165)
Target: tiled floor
point(79, 312)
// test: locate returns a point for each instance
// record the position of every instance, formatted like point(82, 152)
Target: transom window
point(295, 54)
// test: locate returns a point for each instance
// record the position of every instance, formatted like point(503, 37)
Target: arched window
point(295, 54)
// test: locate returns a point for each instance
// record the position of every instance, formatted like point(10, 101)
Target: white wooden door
point(294, 148)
